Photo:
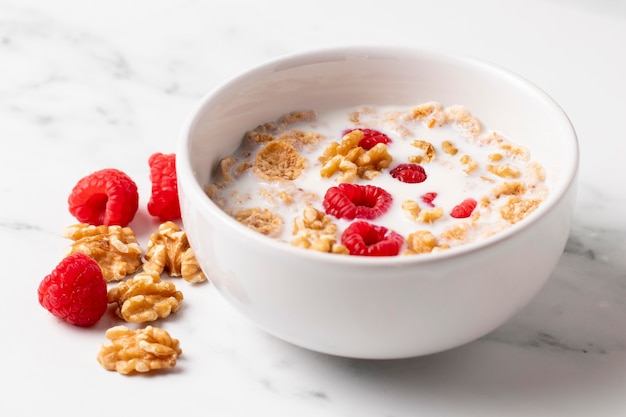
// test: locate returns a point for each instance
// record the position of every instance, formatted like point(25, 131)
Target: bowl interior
point(343, 77)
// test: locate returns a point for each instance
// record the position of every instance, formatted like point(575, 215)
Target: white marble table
point(88, 85)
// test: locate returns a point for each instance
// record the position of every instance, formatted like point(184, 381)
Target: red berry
point(365, 239)
point(349, 201)
point(464, 209)
point(371, 138)
point(75, 291)
point(163, 202)
point(106, 197)
point(428, 198)
point(410, 173)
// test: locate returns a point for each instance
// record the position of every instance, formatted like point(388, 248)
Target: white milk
point(445, 175)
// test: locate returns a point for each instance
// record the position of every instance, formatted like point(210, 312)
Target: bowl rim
point(196, 192)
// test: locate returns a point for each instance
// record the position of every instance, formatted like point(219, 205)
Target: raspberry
point(371, 138)
point(365, 239)
point(75, 291)
point(428, 198)
point(106, 197)
point(163, 202)
point(349, 201)
point(410, 173)
point(464, 209)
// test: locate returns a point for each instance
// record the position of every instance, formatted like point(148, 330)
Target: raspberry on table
point(75, 291)
point(366, 239)
point(164, 202)
point(105, 197)
point(350, 201)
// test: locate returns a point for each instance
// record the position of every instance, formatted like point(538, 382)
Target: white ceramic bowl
point(388, 307)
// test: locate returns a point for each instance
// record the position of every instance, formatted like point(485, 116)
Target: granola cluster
point(289, 160)
point(279, 161)
point(260, 220)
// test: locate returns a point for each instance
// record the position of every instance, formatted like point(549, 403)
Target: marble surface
point(89, 85)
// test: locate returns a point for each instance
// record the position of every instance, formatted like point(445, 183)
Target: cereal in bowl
point(418, 179)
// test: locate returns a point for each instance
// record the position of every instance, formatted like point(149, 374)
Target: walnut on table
point(168, 250)
point(115, 248)
point(144, 298)
point(138, 351)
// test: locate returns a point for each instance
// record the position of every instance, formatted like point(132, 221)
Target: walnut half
point(145, 298)
point(168, 250)
point(115, 248)
point(141, 350)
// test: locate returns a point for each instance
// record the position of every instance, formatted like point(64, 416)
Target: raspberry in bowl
point(376, 202)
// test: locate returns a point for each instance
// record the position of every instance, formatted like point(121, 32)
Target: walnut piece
point(339, 163)
point(138, 351)
point(144, 298)
point(412, 208)
point(351, 160)
point(373, 161)
point(349, 142)
point(316, 231)
point(430, 215)
point(115, 248)
point(423, 241)
point(168, 250)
